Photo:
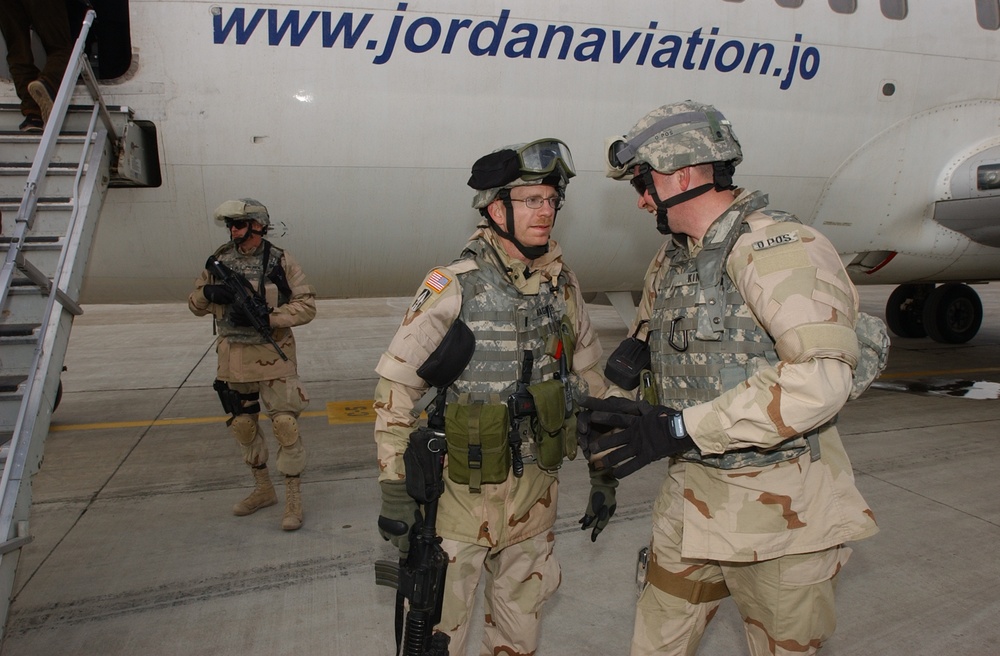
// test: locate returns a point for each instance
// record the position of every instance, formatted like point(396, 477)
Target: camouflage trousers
point(283, 399)
point(787, 603)
point(519, 579)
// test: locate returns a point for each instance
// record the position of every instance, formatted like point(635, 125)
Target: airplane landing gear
point(951, 313)
point(904, 311)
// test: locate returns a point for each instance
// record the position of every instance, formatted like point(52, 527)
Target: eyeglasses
point(239, 224)
point(535, 202)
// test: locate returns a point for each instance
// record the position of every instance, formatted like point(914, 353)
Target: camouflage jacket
point(241, 362)
point(795, 288)
point(519, 508)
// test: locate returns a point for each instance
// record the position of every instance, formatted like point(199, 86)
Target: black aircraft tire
point(953, 313)
point(904, 312)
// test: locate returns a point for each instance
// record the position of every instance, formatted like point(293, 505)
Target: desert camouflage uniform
point(505, 529)
point(250, 364)
point(761, 509)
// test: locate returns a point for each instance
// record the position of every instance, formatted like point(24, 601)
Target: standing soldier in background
point(256, 292)
point(749, 317)
point(533, 335)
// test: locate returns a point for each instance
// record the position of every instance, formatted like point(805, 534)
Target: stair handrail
point(78, 65)
point(24, 425)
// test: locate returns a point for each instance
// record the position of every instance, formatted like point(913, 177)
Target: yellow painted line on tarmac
point(361, 411)
point(337, 412)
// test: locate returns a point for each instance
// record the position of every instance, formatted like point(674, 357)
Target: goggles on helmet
point(537, 159)
point(622, 152)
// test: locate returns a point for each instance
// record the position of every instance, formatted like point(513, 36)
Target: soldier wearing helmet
point(511, 287)
point(256, 348)
point(749, 318)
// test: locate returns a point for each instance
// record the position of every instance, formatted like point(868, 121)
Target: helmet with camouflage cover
point(244, 209)
point(672, 137)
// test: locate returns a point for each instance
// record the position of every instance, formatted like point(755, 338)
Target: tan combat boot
point(292, 520)
point(263, 494)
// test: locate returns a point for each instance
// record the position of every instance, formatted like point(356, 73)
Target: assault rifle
point(419, 577)
point(245, 301)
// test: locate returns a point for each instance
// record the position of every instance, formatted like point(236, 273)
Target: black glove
point(657, 432)
point(597, 417)
point(217, 294)
point(240, 315)
point(601, 505)
point(399, 514)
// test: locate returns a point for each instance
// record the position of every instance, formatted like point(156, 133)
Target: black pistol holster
point(232, 401)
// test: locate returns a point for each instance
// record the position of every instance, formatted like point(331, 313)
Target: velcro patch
point(778, 240)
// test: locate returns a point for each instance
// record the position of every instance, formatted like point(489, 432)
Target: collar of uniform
point(550, 264)
point(744, 203)
point(254, 251)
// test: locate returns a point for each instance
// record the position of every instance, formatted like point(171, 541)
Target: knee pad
point(286, 429)
point(244, 427)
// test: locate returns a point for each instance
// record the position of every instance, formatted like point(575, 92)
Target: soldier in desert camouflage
point(511, 287)
point(250, 370)
point(749, 317)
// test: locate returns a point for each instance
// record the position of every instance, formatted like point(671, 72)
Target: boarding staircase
point(52, 188)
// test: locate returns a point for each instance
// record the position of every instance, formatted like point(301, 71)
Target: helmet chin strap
point(530, 252)
point(250, 231)
point(663, 205)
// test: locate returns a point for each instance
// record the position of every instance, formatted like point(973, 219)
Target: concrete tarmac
point(136, 551)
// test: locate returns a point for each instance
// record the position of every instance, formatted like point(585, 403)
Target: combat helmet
point(540, 162)
point(670, 138)
point(244, 209)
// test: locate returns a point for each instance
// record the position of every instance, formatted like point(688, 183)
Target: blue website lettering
point(503, 36)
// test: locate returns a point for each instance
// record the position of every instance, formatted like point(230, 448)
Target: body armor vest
point(703, 337)
point(254, 268)
point(506, 323)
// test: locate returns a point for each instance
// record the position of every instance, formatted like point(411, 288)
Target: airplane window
point(894, 9)
point(845, 6)
point(988, 14)
point(791, 4)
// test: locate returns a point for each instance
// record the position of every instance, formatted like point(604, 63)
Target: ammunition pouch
point(554, 433)
point(476, 435)
point(232, 401)
point(624, 367)
point(424, 465)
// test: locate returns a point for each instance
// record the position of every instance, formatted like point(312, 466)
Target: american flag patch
point(437, 281)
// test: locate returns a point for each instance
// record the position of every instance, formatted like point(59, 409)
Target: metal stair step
point(9, 384)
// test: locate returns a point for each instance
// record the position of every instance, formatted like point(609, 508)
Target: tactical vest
point(703, 337)
point(506, 323)
point(478, 421)
point(254, 269)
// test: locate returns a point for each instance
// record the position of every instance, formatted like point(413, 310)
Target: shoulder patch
point(777, 240)
point(437, 281)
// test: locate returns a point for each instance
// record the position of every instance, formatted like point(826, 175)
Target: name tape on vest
point(779, 240)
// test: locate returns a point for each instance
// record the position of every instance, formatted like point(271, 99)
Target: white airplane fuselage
point(357, 127)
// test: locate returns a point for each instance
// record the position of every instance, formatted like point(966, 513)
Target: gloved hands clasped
point(219, 294)
point(399, 514)
point(648, 433)
point(601, 504)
